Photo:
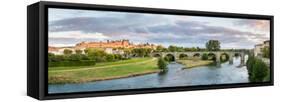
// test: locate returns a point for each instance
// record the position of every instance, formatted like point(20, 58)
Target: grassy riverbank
point(102, 71)
point(190, 63)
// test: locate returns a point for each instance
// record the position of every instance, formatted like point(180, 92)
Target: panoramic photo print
point(90, 51)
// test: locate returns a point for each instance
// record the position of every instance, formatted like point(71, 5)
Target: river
point(175, 76)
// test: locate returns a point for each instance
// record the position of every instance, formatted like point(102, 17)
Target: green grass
point(100, 64)
point(103, 71)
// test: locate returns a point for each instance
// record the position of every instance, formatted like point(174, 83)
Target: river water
point(175, 76)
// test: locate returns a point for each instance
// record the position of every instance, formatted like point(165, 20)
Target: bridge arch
point(170, 57)
point(224, 57)
point(212, 56)
point(156, 55)
point(216, 56)
point(183, 56)
point(196, 55)
point(236, 54)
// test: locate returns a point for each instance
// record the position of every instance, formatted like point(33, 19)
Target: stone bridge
point(217, 54)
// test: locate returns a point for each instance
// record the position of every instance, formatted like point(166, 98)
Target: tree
point(198, 48)
point(266, 52)
point(250, 62)
point(213, 45)
point(75, 57)
point(51, 57)
point(109, 57)
point(165, 50)
point(260, 71)
point(193, 49)
point(84, 57)
point(86, 51)
point(67, 51)
point(187, 49)
point(172, 48)
point(159, 48)
point(78, 51)
point(117, 56)
point(147, 51)
point(96, 54)
point(127, 52)
point(205, 56)
point(162, 64)
point(141, 52)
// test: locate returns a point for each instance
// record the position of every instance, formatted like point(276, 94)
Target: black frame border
point(43, 46)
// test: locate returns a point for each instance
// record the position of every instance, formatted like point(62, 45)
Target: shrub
point(67, 51)
point(117, 56)
point(250, 62)
point(56, 58)
point(266, 52)
point(75, 57)
point(110, 57)
point(258, 70)
point(162, 64)
point(78, 51)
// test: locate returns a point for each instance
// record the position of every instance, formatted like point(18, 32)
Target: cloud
point(68, 38)
point(61, 45)
point(77, 35)
point(260, 25)
point(124, 24)
point(201, 33)
point(158, 29)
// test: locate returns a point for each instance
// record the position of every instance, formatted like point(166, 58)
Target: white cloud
point(77, 35)
point(61, 45)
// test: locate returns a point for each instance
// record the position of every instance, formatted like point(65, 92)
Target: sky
point(68, 27)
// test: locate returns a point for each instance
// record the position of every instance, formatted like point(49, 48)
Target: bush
point(250, 62)
point(56, 58)
point(266, 52)
point(71, 63)
point(258, 70)
point(117, 56)
point(110, 57)
point(162, 64)
point(205, 56)
point(75, 57)
point(67, 51)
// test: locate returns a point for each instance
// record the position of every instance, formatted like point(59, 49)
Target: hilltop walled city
point(110, 47)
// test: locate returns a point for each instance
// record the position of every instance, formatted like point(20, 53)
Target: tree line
point(91, 56)
point(211, 45)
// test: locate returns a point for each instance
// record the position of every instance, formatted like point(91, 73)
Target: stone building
point(258, 48)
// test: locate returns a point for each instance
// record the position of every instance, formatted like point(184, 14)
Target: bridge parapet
point(218, 54)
